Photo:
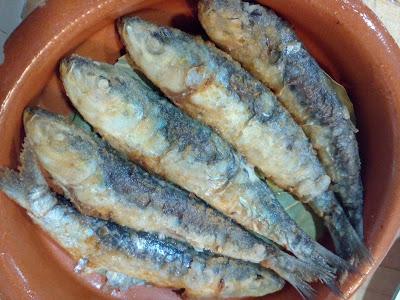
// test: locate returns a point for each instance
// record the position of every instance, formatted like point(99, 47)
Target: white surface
point(3, 38)
point(10, 14)
point(10, 17)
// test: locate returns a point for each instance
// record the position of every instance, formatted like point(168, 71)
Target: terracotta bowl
point(345, 37)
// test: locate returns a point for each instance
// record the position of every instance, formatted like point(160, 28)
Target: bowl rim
point(28, 49)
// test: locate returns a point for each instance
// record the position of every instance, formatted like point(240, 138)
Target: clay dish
point(345, 37)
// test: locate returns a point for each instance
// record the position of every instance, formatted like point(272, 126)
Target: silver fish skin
point(150, 130)
point(102, 183)
point(210, 86)
point(269, 49)
point(106, 245)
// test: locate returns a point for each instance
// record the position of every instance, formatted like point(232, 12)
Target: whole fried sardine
point(210, 86)
point(139, 122)
point(268, 48)
point(102, 183)
point(164, 263)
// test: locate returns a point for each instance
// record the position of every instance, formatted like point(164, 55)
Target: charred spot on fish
point(296, 241)
point(290, 146)
point(254, 16)
point(305, 79)
point(189, 135)
point(274, 55)
point(128, 180)
point(221, 284)
point(271, 52)
point(256, 13)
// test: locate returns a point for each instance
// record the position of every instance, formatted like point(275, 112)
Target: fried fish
point(269, 49)
point(106, 245)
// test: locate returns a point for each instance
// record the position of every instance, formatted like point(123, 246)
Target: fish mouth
point(28, 114)
point(71, 62)
point(31, 112)
point(124, 22)
point(141, 30)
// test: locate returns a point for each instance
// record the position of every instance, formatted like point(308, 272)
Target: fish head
point(228, 20)
point(63, 149)
point(166, 55)
point(99, 91)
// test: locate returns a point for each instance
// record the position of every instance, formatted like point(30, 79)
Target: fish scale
point(114, 248)
point(115, 189)
point(268, 48)
point(192, 155)
point(246, 114)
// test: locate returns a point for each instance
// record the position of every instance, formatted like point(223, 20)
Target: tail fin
point(29, 169)
point(299, 273)
point(346, 240)
point(339, 264)
point(28, 187)
point(11, 184)
point(356, 218)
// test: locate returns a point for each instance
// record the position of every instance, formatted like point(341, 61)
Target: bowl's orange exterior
point(346, 38)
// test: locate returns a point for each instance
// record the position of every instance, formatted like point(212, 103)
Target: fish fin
point(356, 219)
point(299, 273)
point(28, 187)
point(39, 195)
point(12, 185)
point(346, 240)
point(347, 243)
point(336, 262)
point(302, 287)
point(30, 172)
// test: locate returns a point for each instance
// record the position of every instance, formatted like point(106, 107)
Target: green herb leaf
point(301, 214)
point(78, 121)
point(343, 96)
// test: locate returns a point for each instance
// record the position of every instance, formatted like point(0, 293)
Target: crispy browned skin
point(210, 86)
point(100, 182)
point(140, 123)
point(269, 49)
point(106, 245)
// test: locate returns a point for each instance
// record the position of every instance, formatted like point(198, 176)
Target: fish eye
point(154, 45)
point(103, 83)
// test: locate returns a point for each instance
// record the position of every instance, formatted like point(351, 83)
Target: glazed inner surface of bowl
point(331, 42)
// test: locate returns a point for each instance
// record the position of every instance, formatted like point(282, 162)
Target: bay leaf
point(299, 212)
point(343, 96)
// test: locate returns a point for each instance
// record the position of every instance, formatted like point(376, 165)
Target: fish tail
point(351, 198)
point(28, 187)
point(299, 274)
point(356, 219)
point(12, 185)
point(347, 242)
point(310, 251)
point(30, 173)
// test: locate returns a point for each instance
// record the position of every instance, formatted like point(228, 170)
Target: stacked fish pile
point(168, 193)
